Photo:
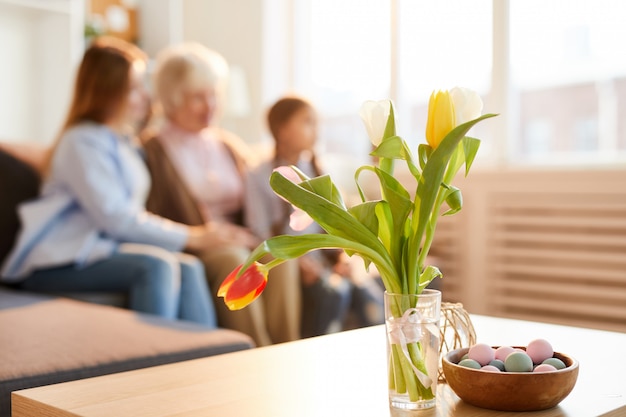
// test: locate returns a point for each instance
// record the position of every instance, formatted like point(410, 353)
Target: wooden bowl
point(509, 391)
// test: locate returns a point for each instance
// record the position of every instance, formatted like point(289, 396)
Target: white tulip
point(467, 104)
point(375, 115)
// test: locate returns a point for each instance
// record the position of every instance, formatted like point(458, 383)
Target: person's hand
point(218, 234)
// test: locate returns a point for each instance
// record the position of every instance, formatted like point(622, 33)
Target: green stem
point(419, 360)
point(398, 375)
point(451, 170)
point(402, 377)
point(391, 368)
point(430, 229)
point(409, 376)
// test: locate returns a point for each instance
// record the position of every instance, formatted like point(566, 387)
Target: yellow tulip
point(441, 117)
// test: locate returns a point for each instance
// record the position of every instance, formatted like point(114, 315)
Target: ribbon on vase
point(406, 329)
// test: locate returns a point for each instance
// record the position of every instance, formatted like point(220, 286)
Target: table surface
point(335, 375)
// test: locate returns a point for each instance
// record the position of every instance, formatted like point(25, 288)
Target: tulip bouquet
point(394, 232)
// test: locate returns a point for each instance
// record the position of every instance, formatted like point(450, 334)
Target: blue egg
point(518, 362)
point(466, 356)
point(556, 362)
point(470, 363)
point(498, 364)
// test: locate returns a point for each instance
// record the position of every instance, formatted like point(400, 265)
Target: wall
point(235, 29)
point(41, 43)
point(18, 81)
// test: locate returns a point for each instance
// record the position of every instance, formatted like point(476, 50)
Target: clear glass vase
point(412, 323)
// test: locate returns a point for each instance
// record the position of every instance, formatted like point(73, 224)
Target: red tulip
point(241, 291)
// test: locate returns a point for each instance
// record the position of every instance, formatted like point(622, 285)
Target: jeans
point(171, 285)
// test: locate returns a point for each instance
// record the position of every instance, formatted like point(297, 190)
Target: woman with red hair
point(89, 230)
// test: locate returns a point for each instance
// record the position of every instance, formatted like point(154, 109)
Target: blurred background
point(543, 231)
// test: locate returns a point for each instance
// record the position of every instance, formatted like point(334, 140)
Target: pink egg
point(519, 350)
point(544, 367)
point(539, 350)
point(503, 351)
point(489, 368)
point(482, 353)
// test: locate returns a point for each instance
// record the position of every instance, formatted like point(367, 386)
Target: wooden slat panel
point(559, 257)
point(564, 308)
point(589, 293)
point(562, 255)
point(576, 221)
point(561, 272)
point(562, 238)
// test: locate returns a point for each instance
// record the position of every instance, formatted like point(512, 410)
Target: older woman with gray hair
point(198, 174)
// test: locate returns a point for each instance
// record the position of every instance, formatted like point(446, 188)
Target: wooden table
point(338, 375)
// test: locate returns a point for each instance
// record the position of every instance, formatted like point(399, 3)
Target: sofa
point(51, 338)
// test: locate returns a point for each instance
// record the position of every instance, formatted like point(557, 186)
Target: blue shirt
point(92, 200)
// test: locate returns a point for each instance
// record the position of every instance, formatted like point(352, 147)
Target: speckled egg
point(518, 362)
point(539, 350)
point(482, 353)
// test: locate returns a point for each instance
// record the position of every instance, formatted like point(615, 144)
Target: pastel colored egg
point(503, 351)
point(556, 362)
point(539, 350)
point(544, 367)
point(482, 353)
point(518, 362)
point(469, 363)
point(498, 364)
point(491, 368)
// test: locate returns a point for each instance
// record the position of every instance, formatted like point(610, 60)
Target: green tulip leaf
point(430, 182)
point(392, 148)
point(366, 214)
point(454, 200)
point(357, 175)
point(400, 205)
point(430, 273)
point(333, 218)
point(385, 221)
point(470, 148)
point(423, 152)
point(390, 127)
point(285, 247)
point(325, 188)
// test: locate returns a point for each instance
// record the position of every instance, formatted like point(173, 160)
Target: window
point(567, 69)
point(343, 60)
point(555, 69)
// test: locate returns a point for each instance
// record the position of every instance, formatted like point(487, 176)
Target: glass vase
point(412, 323)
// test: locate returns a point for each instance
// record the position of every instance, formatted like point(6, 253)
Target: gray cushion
point(46, 340)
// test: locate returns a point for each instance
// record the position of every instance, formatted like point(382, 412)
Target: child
point(326, 282)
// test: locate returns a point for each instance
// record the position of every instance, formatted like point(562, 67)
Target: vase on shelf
point(412, 324)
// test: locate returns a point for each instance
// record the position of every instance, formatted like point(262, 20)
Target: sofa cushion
point(19, 181)
point(46, 340)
